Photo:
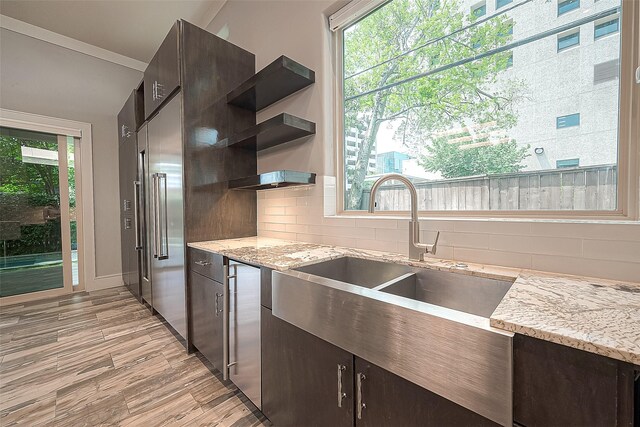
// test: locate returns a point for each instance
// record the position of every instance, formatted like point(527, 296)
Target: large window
point(474, 113)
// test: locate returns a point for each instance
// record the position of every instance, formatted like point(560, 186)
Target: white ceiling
point(133, 28)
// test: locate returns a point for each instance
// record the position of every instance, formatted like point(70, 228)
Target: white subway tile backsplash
point(376, 245)
point(339, 222)
point(276, 210)
point(391, 235)
point(493, 227)
point(297, 228)
point(279, 219)
point(337, 241)
point(536, 245)
point(270, 226)
point(600, 249)
point(615, 270)
point(464, 240)
point(483, 256)
point(278, 235)
point(376, 223)
point(296, 210)
point(612, 250)
point(598, 231)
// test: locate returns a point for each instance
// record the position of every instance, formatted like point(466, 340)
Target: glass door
point(37, 214)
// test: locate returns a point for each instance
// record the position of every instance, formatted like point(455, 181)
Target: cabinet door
point(127, 120)
point(559, 385)
point(303, 376)
point(385, 399)
point(206, 311)
point(162, 76)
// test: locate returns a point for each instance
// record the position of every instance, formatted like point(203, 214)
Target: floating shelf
point(275, 131)
point(274, 179)
point(276, 81)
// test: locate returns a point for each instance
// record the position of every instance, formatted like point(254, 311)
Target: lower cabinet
point(307, 381)
point(207, 314)
point(301, 377)
point(385, 399)
point(555, 385)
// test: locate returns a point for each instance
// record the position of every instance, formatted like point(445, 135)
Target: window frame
point(596, 24)
point(628, 188)
point(564, 36)
point(565, 117)
point(569, 10)
point(500, 6)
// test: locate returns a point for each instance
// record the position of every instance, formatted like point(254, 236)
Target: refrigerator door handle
point(156, 216)
point(225, 324)
point(136, 213)
point(226, 303)
point(163, 226)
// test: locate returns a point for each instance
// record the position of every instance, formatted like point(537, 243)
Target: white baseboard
point(105, 282)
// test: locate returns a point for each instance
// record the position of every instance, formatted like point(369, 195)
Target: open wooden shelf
point(275, 179)
point(276, 81)
point(275, 131)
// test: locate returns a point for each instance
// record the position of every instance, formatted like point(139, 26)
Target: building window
point(606, 28)
point(502, 3)
point(567, 6)
point(569, 40)
point(479, 10)
point(568, 121)
point(567, 163)
point(423, 81)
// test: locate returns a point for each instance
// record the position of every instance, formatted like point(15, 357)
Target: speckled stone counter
point(595, 315)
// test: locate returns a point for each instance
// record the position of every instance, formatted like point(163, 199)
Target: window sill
point(446, 217)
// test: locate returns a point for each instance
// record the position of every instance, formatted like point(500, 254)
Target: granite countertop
point(595, 315)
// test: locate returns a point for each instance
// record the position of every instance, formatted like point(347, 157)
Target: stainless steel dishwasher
point(242, 329)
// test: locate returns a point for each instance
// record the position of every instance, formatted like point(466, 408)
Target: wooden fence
point(581, 188)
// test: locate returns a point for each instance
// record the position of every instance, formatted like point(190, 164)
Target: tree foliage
point(454, 161)
point(452, 93)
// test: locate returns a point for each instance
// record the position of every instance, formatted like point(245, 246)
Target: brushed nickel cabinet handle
point(341, 394)
point(360, 405)
point(218, 309)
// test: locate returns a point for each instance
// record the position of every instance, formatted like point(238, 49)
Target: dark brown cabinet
point(207, 306)
point(555, 385)
point(385, 399)
point(303, 377)
point(128, 168)
point(162, 76)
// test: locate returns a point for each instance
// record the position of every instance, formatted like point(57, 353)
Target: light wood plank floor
point(101, 358)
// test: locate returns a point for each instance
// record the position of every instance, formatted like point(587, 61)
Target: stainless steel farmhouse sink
point(357, 271)
point(430, 327)
point(470, 294)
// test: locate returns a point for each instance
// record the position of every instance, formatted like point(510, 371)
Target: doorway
point(39, 214)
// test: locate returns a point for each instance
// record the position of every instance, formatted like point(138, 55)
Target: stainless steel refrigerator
point(166, 214)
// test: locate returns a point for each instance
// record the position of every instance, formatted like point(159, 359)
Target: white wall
point(41, 78)
point(298, 29)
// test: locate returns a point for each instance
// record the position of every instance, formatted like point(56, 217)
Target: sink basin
point(427, 326)
point(356, 271)
point(470, 294)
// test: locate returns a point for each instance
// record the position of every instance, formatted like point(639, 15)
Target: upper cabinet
point(127, 120)
point(162, 76)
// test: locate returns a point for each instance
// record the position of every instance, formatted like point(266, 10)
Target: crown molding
point(39, 33)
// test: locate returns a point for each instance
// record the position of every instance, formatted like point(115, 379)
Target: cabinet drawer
point(206, 263)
